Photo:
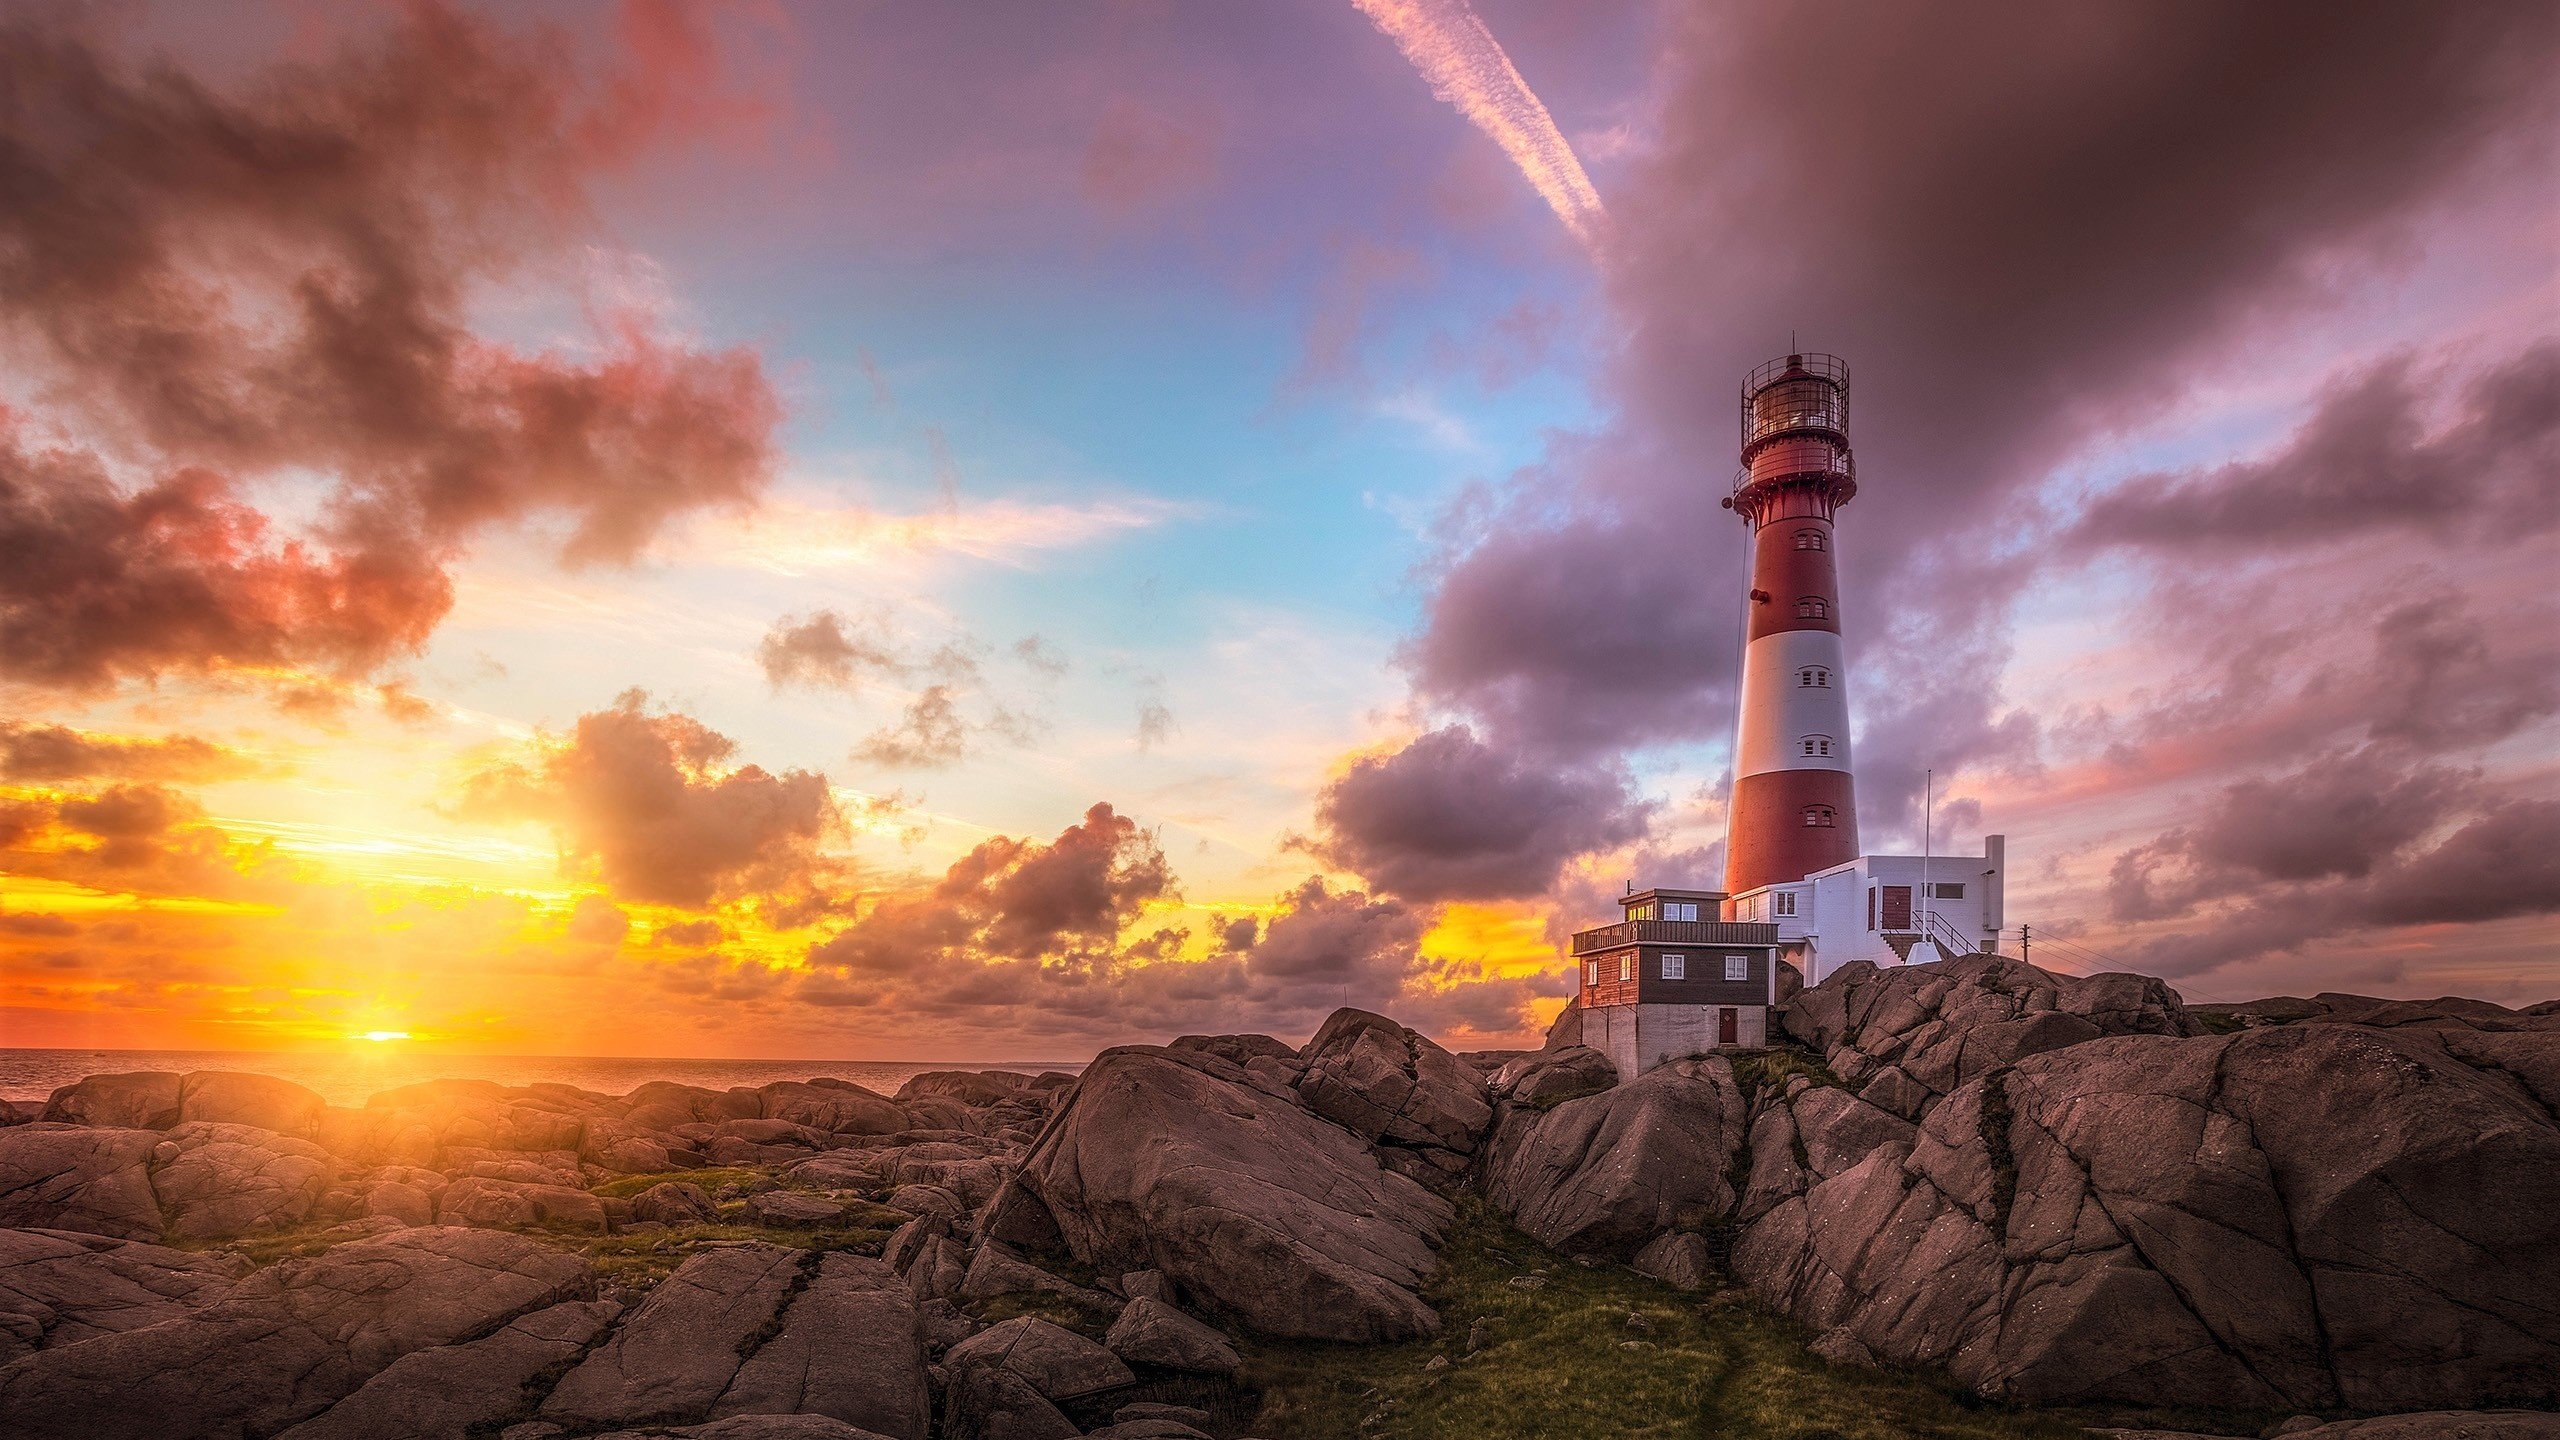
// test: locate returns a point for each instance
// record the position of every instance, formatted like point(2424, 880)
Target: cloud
point(51, 753)
point(1468, 70)
point(823, 651)
point(2366, 460)
point(2029, 237)
point(1021, 900)
point(1142, 157)
point(648, 801)
point(129, 838)
point(273, 280)
point(930, 735)
point(1447, 817)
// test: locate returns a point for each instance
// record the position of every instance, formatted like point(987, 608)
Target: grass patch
point(1549, 1102)
point(710, 1179)
point(1048, 1305)
point(2218, 1022)
point(1559, 1366)
point(1768, 1071)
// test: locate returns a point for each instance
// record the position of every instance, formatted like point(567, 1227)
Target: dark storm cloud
point(2025, 227)
point(650, 801)
point(1450, 818)
point(2501, 863)
point(2368, 458)
point(225, 283)
point(58, 752)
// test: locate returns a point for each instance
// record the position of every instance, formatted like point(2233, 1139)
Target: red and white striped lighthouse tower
point(1793, 812)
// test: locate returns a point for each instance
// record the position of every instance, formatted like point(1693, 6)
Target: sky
point(881, 531)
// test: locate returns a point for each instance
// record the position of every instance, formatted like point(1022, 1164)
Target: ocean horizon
point(349, 1078)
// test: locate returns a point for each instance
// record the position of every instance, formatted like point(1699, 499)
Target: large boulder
point(454, 1392)
point(847, 1348)
point(1905, 1037)
point(58, 1287)
point(1547, 1077)
point(1150, 1332)
point(1058, 1362)
point(2308, 1217)
point(94, 1181)
point(675, 1357)
point(990, 1402)
point(1396, 1089)
point(834, 1106)
point(233, 1097)
point(1607, 1173)
point(131, 1100)
point(1243, 1199)
point(288, 1341)
point(235, 1179)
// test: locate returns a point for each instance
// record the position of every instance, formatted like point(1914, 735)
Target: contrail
point(1467, 69)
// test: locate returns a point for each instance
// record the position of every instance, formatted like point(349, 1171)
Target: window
point(1626, 967)
point(1641, 912)
point(1818, 816)
point(1813, 677)
point(1811, 540)
point(1813, 607)
point(1592, 973)
point(1675, 967)
point(1945, 890)
point(1737, 967)
point(1817, 745)
point(1871, 907)
point(1786, 901)
point(1679, 910)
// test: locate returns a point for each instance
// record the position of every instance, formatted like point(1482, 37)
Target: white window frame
point(1680, 910)
point(1737, 967)
point(1675, 965)
point(1591, 973)
point(1786, 902)
point(1627, 966)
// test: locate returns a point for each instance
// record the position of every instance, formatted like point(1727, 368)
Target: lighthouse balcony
point(1671, 932)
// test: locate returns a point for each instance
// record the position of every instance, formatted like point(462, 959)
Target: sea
point(348, 1078)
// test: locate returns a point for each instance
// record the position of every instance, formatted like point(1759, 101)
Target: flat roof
point(1665, 892)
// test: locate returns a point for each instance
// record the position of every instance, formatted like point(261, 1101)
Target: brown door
point(1728, 1026)
point(1897, 907)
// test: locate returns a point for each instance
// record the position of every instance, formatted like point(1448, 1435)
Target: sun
point(378, 1036)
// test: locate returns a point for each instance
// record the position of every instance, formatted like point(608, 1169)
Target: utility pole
point(2022, 945)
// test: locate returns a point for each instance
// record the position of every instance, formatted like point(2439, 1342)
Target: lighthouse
point(1793, 810)
point(1691, 970)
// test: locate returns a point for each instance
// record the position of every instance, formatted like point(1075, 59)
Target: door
point(1728, 1025)
point(1897, 907)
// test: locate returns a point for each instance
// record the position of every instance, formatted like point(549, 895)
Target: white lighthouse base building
point(1887, 909)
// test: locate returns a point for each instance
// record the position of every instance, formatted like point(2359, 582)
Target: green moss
point(2218, 1022)
point(1049, 1305)
point(1564, 1361)
point(650, 1255)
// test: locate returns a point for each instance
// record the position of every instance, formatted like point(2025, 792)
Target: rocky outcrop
point(1607, 1173)
point(2424, 1425)
point(130, 1100)
point(231, 1097)
point(58, 1287)
point(1424, 1108)
point(216, 1179)
point(831, 1106)
point(1150, 1332)
point(2446, 1012)
point(676, 1356)
point(287, 1341)
point(1906, 1037)
point(847, 1349)
point(2309, 1217)
point(1056, 1361)
point(1543, 1078)
point(1242, 1198)
point(97, 1182)
point(454, 1392)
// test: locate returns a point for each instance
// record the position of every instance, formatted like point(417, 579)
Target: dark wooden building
point(1670, 980)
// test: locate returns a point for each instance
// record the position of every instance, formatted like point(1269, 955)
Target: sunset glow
point(887, 532)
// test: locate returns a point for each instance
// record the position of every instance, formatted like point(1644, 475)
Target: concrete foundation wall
point(1636, 1038)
